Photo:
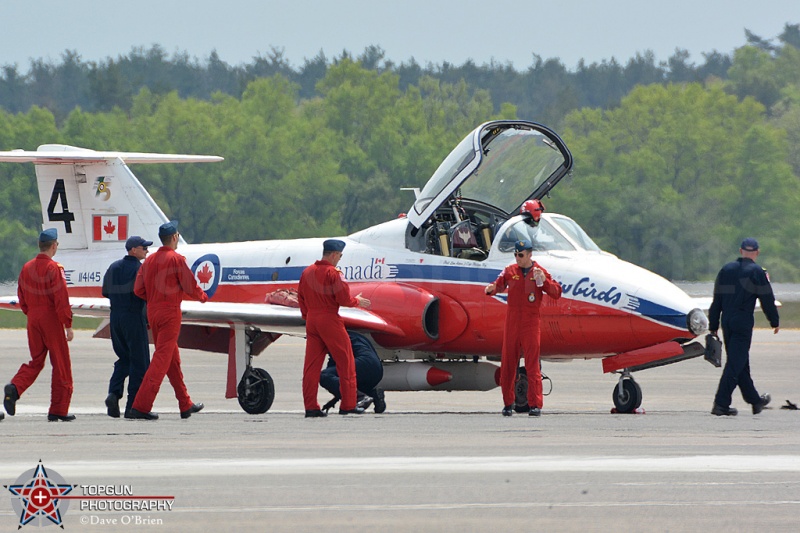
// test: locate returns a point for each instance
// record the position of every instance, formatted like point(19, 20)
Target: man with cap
point(128, 326)
point(321, 291)
point(43, 297)
point(163, 281)
point(527, 283)
point(736, 289)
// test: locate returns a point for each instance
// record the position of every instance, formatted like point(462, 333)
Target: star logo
point(37, 496)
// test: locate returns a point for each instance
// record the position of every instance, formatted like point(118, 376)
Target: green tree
point(676, 176)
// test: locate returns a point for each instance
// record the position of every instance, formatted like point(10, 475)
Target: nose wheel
point(256, 391)
point(627, 394)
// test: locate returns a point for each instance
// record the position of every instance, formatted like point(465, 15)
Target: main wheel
point(521, 392)
point(256, 391)
point(631, 397)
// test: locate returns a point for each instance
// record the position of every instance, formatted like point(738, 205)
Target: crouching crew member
point(527, 283)
point(43, 297)
point(163, 281)
point(369, 372)
point(321, 291)
point(128, 326)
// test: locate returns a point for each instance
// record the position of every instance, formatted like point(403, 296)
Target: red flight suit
point(43, 297)
point(322, 290)
point(522, 329)
point(163, 281)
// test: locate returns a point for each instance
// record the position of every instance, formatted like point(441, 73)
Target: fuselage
point(608, 305)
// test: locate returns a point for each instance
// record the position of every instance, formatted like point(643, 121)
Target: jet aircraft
point(424, 272)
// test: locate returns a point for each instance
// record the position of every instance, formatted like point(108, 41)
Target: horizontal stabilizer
point(61, 154)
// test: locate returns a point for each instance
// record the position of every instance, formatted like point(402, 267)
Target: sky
point(430, 31)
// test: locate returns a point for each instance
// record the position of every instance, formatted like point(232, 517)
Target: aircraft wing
point(268, 317)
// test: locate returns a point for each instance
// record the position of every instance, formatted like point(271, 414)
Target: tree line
point(671, 175)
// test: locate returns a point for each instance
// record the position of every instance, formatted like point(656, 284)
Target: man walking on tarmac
point(736, 289)
point(128, 326)
point(43, 297)
point(321, 291)
point(163, 281)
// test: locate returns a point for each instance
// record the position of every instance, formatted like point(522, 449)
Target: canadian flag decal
point(110, 227)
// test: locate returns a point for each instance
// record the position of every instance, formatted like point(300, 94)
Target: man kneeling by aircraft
point(369, 372)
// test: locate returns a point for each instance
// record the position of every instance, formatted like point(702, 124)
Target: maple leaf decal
point(109, 227)
point(204, 275)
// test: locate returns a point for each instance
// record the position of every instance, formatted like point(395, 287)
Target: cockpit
point(471, 200)
point(473, 232)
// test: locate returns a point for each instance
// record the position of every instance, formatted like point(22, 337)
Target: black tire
point(521, 392)
point(631, 397)
point(256, 391)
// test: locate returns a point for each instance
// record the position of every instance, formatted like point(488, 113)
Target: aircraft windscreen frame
point(504, 177)
point(575, 232)
point(557, 233)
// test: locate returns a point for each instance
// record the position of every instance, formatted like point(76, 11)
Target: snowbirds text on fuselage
point(424, 272)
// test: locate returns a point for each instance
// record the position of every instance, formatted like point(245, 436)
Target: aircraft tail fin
point(92, 198)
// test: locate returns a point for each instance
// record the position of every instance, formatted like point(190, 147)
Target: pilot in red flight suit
point(43, 297)
point(527, 283)
point(163, 281)
point(321, 291)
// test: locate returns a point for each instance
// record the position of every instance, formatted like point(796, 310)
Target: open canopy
point(501, 163)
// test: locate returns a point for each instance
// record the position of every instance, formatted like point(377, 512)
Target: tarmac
point(433, 461)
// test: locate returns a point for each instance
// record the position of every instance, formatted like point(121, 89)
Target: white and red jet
point(424, 272)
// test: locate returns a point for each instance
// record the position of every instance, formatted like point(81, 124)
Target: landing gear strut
point(256, 390)
point(627, 394)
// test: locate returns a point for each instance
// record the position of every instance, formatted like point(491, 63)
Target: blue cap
point(523, 245)
point(749, 245)
point(333, 245)
point(170, 228)
point(48, 235)
point(135, 241)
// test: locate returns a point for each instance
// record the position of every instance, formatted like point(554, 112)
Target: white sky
point(427, 30)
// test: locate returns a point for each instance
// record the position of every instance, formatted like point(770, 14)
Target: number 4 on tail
point(65, 216)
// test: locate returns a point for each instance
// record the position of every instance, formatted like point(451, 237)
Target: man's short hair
point(44, 246)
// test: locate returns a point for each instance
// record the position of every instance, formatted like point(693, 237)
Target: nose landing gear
point(627, 394)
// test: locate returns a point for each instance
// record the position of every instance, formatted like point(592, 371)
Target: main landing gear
point(256, 390)
point(627, 394)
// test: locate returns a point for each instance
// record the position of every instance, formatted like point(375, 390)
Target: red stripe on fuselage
point(568, 327)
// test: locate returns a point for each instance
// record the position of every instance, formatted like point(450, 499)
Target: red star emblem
point(40, 497)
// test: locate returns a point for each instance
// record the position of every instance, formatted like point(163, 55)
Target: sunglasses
point(520, 254)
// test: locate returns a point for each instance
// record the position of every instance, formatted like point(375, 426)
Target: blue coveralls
point(736, 288)
point(128, 328)
point(369, 369)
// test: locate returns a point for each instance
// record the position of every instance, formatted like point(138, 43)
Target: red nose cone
point(437, 376)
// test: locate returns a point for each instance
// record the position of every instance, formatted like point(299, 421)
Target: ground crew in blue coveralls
point(128, 326)
point(736, 288)
point(369, 372)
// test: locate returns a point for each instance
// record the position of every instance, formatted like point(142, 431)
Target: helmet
point(532, 211)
